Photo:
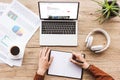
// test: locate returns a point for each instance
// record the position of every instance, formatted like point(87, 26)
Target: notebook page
point(61, 65)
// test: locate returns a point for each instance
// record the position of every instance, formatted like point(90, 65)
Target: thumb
point(51, 59)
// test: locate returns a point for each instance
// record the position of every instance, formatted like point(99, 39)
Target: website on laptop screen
point(58, 10)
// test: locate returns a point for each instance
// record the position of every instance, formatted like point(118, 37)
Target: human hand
point(79, 57)
point(44, 61)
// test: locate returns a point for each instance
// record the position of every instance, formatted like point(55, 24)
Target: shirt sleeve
point(38, 77)
point(99, 74)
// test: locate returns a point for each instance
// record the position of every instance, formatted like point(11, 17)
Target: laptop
point(58, 23)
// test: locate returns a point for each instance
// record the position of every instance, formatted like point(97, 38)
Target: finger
point(73, 61)
point(81, 56)
point(51, 59)
point(40, 53)
point(48, 53)
point(81, 51)
point(75, 55)
point(44, 52)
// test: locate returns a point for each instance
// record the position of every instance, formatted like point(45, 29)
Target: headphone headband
point(106, 36)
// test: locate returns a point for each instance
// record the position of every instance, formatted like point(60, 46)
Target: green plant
point(109, 10)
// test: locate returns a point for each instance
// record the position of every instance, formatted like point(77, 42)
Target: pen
point(74, 58)
point(79, 61)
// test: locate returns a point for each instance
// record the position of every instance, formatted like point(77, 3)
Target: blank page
point(61, 65)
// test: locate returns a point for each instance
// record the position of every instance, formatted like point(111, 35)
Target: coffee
point(14, 50)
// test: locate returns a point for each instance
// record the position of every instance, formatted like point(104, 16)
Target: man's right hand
point(79, 57)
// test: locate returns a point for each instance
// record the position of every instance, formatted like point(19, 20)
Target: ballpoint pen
point(74, 58)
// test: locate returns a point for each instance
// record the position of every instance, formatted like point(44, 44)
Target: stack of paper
point(17, 25)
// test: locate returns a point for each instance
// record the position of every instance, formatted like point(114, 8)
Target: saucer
point(19, 56)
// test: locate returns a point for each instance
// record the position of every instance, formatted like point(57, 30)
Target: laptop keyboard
point(49, 27)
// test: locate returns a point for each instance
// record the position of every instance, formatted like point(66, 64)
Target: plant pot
point(112, 14)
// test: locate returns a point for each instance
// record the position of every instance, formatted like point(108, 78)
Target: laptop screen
point(58, 10)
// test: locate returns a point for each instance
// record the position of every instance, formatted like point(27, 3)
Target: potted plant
point(109, 9)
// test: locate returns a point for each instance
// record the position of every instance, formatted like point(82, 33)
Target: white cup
point(14, 52)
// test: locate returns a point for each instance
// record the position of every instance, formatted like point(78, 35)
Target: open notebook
point(61, 65)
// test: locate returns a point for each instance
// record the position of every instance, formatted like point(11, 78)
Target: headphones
point(98, 48)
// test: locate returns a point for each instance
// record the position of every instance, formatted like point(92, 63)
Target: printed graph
point(18, 30)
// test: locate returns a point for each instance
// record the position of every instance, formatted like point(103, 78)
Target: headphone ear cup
point(97, 48)
point(89, 42)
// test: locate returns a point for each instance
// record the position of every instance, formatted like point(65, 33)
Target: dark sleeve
point(38, 77)
point(99, 74)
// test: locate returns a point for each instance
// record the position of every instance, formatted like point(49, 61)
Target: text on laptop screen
point(58, 10)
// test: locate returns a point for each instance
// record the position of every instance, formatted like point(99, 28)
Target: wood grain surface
point(109, 61)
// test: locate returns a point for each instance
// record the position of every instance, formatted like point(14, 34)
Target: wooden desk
point(109, 61)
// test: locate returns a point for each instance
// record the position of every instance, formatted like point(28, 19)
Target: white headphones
point(98, 48)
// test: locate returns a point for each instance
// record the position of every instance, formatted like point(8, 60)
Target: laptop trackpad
point(58, 40)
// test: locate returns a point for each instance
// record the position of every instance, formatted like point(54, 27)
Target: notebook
point(61, 66)
point(58, 23)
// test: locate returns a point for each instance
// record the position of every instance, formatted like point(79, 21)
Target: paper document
point(20, 22)
point(3, 7)
point(17, 25)
point(61, 65)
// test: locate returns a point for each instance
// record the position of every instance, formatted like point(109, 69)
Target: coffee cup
point(15, 52)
